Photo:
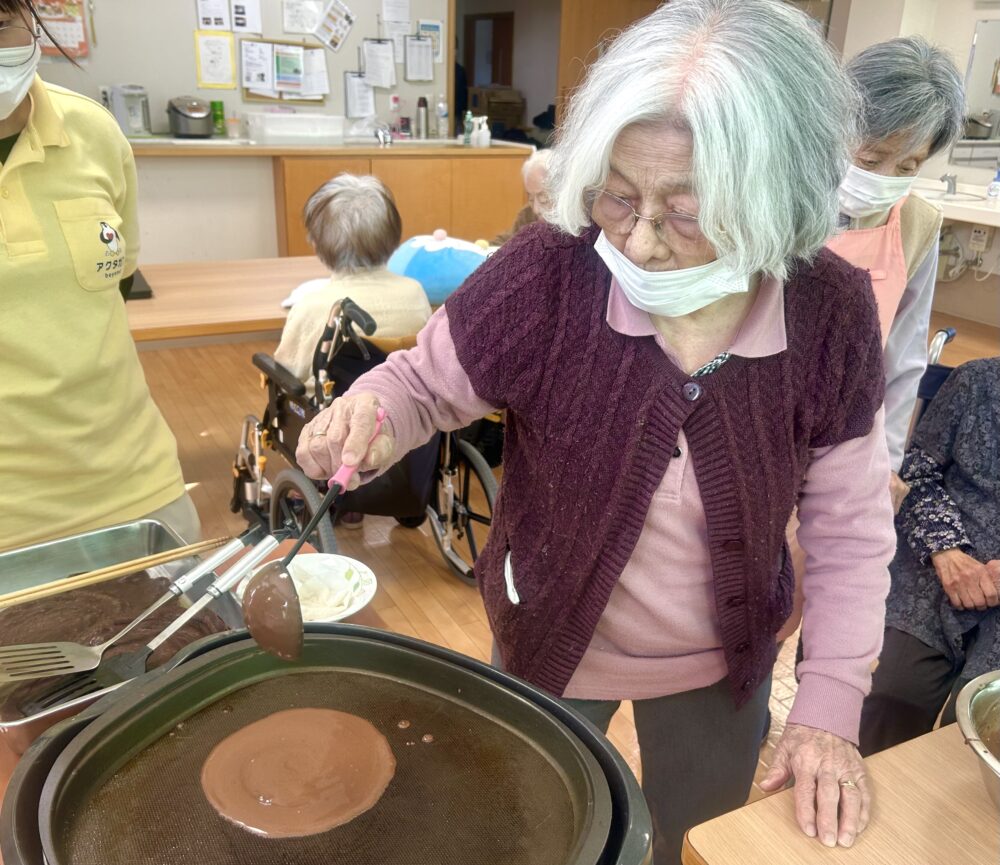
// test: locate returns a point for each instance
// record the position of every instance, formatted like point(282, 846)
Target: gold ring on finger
point(847, 782)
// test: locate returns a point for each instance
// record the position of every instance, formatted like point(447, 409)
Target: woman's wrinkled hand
point(832, 793)
point(969, 584)
point(898, 488)
point(342, 435)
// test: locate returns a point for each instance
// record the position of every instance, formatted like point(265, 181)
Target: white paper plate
point(334, 571)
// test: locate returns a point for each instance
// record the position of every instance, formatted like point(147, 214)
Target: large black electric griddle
point(513, 776)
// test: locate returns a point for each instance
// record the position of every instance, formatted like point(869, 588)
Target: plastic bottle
point(441, 111)
point(467, 136)
point(422, 117)
point(993, 190)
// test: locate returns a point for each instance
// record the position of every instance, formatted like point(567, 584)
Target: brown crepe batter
point(298, 772)
point(272, 612)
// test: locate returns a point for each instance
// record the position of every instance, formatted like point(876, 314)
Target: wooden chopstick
point(102, 575)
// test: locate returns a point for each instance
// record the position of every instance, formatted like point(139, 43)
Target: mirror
point(980, 145)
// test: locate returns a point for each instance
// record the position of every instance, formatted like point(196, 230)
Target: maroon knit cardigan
point(593, 418)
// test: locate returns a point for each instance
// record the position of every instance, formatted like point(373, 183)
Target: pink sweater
point(659, 633)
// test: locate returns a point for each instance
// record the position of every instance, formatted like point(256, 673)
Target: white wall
point(536, 46)
point(150, 42)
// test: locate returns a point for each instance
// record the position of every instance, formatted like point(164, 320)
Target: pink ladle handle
point(346, 472)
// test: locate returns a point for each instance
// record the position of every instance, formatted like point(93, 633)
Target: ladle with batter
point(271, 606)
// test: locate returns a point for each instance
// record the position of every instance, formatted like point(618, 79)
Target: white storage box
point(279, 128)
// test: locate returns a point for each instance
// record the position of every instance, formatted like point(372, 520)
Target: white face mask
point(671, 293)
point(862, 193)
point(17, 72)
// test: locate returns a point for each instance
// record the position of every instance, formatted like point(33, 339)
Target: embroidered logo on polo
point(114, 262)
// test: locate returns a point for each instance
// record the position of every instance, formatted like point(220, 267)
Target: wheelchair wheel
point(462, 508)
point(294, 500)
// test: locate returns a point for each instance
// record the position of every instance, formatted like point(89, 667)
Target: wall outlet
point(980, 239)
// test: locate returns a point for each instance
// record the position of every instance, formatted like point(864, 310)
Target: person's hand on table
point(898, 488)
point(832, 795)
point(340, 435)
point(969, 584)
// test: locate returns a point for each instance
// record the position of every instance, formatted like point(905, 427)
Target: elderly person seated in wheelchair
point(681, 363)
point(354, 226)
point(943, 611)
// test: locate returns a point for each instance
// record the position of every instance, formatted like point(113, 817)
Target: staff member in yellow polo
point(82, 445)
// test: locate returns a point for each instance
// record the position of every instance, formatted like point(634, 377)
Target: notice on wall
point(380, 68)
point(258, 65)
point(419, 59)
point(315, 80)
point(433, 30)
point(247, 17)
point(302, 16)
point(215, 56)
point(395, 10)
point(359, 97)
point(64, 20)
point(335, 25)
point(289, 67)
point(214, 15)
point(397, 31)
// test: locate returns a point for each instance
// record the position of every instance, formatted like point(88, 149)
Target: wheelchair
point(446, 483)
point(935, 374)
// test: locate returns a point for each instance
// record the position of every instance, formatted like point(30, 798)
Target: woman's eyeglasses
point(616, 216)
point(16, 36)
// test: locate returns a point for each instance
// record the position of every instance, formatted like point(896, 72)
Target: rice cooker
point(190, 117)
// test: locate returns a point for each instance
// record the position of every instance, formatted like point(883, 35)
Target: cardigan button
point(677, 452)
point(747, 684)
point(733, 546)
point(691, 391)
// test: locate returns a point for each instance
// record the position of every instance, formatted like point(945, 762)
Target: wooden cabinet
point(295, 180)
point(470, 197)
point(422, 189)
point(486, 195)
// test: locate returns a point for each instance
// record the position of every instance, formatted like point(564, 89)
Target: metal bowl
point(978, 711)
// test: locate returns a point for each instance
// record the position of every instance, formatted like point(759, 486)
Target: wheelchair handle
point(357, 315)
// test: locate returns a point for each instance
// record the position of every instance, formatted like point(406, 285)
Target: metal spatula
point(38, 660)
point(114, 671)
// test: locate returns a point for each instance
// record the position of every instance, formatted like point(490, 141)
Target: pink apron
point(880, 252)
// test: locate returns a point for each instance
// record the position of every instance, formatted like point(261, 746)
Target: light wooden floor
point(204, 393)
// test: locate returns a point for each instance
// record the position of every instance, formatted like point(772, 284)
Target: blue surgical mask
point(672, 293)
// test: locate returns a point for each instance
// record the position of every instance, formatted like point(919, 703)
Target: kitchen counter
point(978, 211)
point(430, 148)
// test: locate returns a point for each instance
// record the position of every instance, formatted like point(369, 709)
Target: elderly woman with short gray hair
point(681, 363)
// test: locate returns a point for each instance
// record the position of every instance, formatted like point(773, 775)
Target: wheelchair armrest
point(280, 375)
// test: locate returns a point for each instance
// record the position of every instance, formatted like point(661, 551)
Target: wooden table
point(209, 298)
point(931, 808)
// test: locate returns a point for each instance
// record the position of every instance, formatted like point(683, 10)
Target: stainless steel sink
point(951, 196)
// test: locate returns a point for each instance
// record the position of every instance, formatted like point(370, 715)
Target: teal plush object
point(438, 262)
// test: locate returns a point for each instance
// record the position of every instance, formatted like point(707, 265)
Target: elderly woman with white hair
point(534, 173)
point(681, 363)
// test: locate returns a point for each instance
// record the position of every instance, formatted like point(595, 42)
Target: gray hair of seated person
point(353, 224)
point(538, 159)
point(908, 85)
point(769, 109)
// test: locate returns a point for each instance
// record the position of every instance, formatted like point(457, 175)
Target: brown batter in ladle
point(271, 607)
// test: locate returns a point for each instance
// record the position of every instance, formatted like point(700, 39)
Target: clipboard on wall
point(269, 93)
point(418, 58)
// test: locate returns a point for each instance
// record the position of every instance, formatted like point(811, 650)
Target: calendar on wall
point(64, 19)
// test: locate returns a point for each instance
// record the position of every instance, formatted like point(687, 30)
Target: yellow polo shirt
point(82, 444)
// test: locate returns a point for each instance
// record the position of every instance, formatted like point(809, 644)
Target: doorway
point(489, 48)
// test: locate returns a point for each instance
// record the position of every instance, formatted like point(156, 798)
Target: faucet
point(949, 181)
point(383, 135)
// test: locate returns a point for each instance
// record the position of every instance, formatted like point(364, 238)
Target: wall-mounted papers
point(397, 31)
point(246, 16)
point(359, 95)
point(214, 15)
point(433, 30)
point(258, 65)
point(395, 10)
point(315, 80)
point(380, 68)
point(215, 56)
point(302, 16)
point(335, 25)
point(64, 20)
point(419, 59)
point(289, 67)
